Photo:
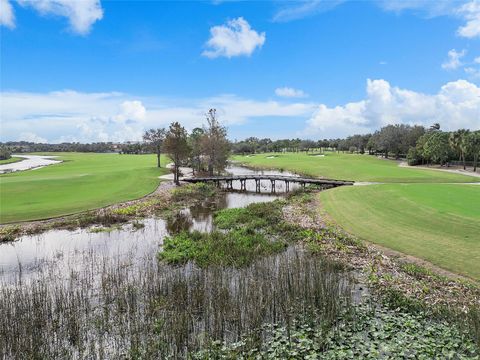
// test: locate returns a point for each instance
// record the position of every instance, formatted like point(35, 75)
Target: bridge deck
point(293, 179)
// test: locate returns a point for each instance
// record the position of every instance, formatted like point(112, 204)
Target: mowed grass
point(351, 167)
point(436, 222)
point(11, 160)
point(414, 213)
point(82, 182)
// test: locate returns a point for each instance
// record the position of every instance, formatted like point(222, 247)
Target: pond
point(62, 251)
point(103, 294)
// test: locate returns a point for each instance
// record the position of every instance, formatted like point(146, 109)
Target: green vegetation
point(10, 160)
point(82, 182)
point(432, 221)
point(235, 248)
point(362, 333)
point(255, 231)
point(351, 167)
point(436, 222)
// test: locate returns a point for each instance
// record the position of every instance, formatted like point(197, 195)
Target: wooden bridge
point(229, 179)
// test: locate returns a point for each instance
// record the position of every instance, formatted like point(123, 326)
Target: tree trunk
point(464, 166)
point(475, 160)
point(158, 158)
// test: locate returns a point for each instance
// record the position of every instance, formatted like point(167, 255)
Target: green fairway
point(83, 181)
point(436, 222)
point(439, 223)
point(350, 167)
point(11, 160)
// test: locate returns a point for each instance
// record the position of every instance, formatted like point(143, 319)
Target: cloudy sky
point(92, 70)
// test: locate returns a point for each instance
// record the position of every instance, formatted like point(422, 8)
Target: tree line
point(417, 144)
point(205, 149)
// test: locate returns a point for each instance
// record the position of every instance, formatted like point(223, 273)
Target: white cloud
point(236, 38)
point(81, 14)
point(468, 12)
point(300, 9)
point(471, 13)
point(474, 73)
point(31, 137)
point(456, 105)
point(454, 59)
point(477, 60)
point(7, 18)
point(89, 117)
point(131, 111)
point(290, 92)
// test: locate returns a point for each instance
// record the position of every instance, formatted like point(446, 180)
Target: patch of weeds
point(107, 229)
point(236, 248)
point(362, 333)
point(9, 233)
point(193, 192)
point(130, 210)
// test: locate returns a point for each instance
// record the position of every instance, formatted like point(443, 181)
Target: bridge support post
point(287, 185)
point(229, 185)
point(257, 185)
point(243, 185)
point(273, 185)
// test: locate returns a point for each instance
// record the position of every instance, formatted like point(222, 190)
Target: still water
point(62, 252)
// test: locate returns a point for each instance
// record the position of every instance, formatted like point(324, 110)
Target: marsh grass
point(109, 310)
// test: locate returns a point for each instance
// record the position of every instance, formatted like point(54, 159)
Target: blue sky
point(99, 71)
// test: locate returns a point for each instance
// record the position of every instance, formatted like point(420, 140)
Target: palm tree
point(458, 142)
point(454, 140)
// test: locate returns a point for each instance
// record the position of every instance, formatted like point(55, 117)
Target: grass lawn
point(350, 167)
point(413, 213)
point(11, 160)
point(437, 222)
point(83, 181)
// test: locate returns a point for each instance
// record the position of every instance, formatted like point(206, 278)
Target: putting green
point(436, 222)
point(83, 181)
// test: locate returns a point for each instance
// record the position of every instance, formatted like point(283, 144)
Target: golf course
point(81, 182)
point(428, 214)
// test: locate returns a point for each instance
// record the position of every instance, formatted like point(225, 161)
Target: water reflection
point(63, 251)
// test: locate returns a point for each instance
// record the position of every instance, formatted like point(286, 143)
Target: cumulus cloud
point(235, 38)
point(471, 13)
point(89, 117)
point(32, 137)
point(454, 59)
point(131, 111)
point(456, 105)
point(7, 18)
point(80, 14)
point(289, 92)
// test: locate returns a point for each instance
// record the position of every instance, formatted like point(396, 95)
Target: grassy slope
point(11, 160)
point(82, 182)
point(352, 167)
point(436, 222)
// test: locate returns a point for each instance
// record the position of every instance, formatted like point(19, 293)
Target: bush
point(414, 157)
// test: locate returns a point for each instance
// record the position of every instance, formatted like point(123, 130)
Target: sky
point(91, 70)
